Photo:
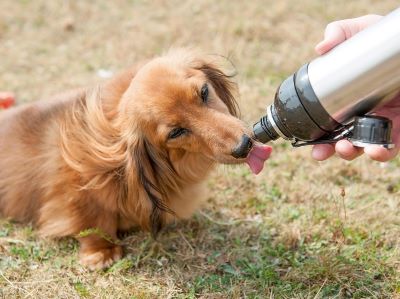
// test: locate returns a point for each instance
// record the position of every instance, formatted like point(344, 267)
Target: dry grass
point(287, 233)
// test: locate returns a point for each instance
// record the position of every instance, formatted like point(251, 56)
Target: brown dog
point(131, 152)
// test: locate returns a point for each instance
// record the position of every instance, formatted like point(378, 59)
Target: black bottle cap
point(371, 129)
point(263, 130)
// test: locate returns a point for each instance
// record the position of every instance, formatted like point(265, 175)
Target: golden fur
point(100, 158)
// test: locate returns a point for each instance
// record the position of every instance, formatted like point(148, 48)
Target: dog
point(130, 152)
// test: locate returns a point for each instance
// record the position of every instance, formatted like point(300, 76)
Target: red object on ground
point(7, 99)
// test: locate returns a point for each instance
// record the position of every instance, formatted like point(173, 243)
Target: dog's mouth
point(253, 153)
point(254, 158)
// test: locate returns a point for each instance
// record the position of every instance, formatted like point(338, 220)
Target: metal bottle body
point(356, 75)
point(326, 94)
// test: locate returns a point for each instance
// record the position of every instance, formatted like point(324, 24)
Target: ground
point(300, 229)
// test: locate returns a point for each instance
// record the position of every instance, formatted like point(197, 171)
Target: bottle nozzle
point(263, 131)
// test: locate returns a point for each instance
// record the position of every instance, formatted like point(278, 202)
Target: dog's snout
point(243, 148)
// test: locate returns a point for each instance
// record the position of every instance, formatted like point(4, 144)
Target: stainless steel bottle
point(320, 102)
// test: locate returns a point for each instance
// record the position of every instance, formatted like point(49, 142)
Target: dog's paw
point(100, 258)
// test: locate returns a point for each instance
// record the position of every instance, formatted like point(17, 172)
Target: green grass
point(238, 259)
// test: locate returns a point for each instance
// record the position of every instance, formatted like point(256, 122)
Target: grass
point(301, 229)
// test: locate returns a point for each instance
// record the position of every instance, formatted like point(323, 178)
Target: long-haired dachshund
point(130, 152)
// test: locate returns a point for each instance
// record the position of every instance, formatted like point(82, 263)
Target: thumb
point(338, 31)
point(334, 35)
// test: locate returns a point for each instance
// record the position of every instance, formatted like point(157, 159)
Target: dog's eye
point(204, 93)
point(177, 132)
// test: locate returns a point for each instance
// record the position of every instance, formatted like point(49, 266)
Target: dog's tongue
point(257, 157)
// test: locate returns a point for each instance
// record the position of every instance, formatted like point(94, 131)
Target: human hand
point(336, 33)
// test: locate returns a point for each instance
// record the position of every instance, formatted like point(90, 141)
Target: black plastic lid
point(371, 129)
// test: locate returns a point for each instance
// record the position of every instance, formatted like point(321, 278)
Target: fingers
point(347, 151)
point(338, 31)
point(321, 152)
point(380, 154)
point(334, 35)
point(343, 148)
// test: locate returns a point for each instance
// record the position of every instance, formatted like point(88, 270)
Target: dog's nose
point(243, 148)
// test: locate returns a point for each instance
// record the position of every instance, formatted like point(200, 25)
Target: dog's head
point(179, 116)
point(184, 104)
point(153, 133)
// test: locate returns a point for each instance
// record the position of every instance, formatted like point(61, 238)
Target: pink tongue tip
point(257, 156)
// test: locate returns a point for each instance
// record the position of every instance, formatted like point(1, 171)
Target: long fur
point(79, 161)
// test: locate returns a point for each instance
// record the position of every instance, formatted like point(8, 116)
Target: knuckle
point(332, 25)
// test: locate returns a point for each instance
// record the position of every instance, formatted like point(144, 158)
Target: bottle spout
point(259, 133)
point(263, 131)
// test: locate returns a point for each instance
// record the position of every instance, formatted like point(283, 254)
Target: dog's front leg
point(94, 226)
point(97, 253)
point(99, 248)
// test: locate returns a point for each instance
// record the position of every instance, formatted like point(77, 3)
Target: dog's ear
point(156, 176)
point(223, 85)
